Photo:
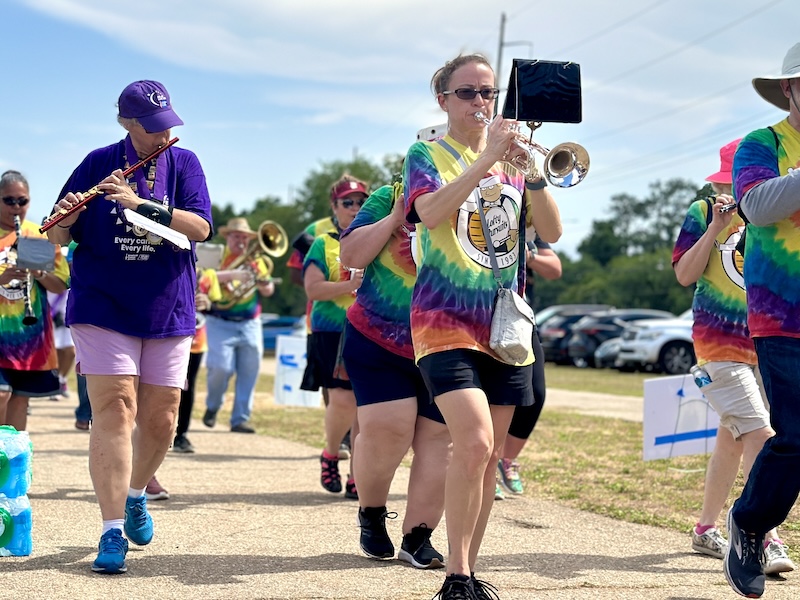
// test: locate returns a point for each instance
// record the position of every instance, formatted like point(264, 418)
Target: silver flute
point(30, 318)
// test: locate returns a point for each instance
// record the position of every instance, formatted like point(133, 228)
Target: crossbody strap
point(489, 246)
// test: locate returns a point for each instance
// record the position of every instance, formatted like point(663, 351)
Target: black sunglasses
point(469, 93)
point(12, 201)
point(348, 203)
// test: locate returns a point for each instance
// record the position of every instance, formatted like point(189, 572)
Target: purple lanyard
point(158, 193)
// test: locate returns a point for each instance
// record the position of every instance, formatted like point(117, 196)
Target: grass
point(589, 463)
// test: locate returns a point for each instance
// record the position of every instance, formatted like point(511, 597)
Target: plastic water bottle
point(15, 462)
point(701, 376)
point(15, 526)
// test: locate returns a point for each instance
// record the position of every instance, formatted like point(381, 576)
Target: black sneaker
point(329, 474)
point(417, 550)
point(350, 491)
point(244, 427)
point(210, 418)
point(456, 587)
point(484, 590)
point(182, 445)
point(742, 562)
point(374, 540)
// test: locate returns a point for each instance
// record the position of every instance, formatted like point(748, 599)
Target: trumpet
point(564, 166)
point(63, 213)
point(30, 317)
point(271, 241)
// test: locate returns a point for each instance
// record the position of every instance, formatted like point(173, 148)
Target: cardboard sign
point(678, 420)
point(290, 364)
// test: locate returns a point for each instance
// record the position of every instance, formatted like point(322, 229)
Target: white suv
point(659, 344)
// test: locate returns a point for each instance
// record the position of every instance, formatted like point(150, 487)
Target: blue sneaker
point(111, 556)
point(742, 562)
point(138, 522)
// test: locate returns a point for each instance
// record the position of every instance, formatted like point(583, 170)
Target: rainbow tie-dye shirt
point(328, 315)
point(720, 307)
point(453, 299)
point(381, 310)
point(27, 347)
point(772, 253)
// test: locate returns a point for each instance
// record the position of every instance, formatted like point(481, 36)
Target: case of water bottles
point(15, 480)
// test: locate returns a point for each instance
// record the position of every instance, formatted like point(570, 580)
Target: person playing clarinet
point(131, 308)
point(27, 349)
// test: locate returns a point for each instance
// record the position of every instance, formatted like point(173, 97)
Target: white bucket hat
point(769, 86)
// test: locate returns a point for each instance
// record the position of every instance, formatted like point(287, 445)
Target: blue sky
point(269, 89)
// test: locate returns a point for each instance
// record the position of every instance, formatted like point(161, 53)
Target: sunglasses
point(11, 201)
point(348, 203)
point(470, 93)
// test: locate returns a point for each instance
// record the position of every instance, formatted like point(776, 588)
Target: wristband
point(63, 227)
point(539, 184)
point(156, 212)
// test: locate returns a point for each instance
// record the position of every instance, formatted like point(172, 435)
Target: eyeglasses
point(11, 201)
point(348, 203)
point(470, 93)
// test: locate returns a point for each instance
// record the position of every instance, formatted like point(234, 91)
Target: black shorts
point(33, 384)
point(459, 369)
point(321, 354)
point(380, 376)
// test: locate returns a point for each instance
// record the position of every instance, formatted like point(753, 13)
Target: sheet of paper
point(176, 237)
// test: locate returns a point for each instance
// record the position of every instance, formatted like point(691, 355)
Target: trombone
point(564, 166)
point(271, 241)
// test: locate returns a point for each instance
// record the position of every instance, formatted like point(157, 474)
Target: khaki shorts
point(736, 393)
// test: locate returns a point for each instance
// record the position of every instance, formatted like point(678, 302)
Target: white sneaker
point(710, 542)
point(776, 560)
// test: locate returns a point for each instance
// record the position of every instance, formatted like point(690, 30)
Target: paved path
point(248, 519)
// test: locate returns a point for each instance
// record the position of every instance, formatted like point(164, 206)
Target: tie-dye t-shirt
point(383, 302)
point(315, 229)
point(328, 315)
point(248, 307)
point(453, 299)
point(720, 307)
point(772, 252)
point(27, 347)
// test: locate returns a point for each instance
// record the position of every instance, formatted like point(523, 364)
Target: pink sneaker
point(154, 491)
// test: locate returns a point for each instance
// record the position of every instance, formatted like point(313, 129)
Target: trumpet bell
point(566, 165)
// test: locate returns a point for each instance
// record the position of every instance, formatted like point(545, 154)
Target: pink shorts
point(163, 361)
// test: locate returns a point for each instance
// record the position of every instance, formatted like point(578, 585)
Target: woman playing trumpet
point(27, 352)
point(131, 307)
point(448, 182)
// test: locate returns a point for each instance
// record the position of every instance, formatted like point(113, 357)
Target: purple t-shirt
point(128, 280)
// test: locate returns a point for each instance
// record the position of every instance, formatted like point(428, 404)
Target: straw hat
point(769, 86)
point(239, 224)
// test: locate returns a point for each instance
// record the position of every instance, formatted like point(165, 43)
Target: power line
point(611, 28)
point(705, 37)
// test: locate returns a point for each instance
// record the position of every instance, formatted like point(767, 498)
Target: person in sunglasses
point(452, 303)
point(28, 359)
point(331, 288)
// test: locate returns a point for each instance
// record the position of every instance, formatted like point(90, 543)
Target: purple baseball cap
point(148, 102)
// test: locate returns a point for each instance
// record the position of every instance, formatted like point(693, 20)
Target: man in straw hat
point(766, 186)
point(235, 339)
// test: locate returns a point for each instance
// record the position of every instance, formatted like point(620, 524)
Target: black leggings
point(187, 395)
point(525, 417)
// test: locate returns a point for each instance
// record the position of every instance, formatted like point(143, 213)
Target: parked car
point(555, 329)
point(663, 345)
point(595, 328)
point(273, 325)
point(605, 356)
point(559, 309)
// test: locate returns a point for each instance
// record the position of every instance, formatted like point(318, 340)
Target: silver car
point(663, 345)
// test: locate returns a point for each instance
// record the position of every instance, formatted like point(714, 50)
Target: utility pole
point(502, 43)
